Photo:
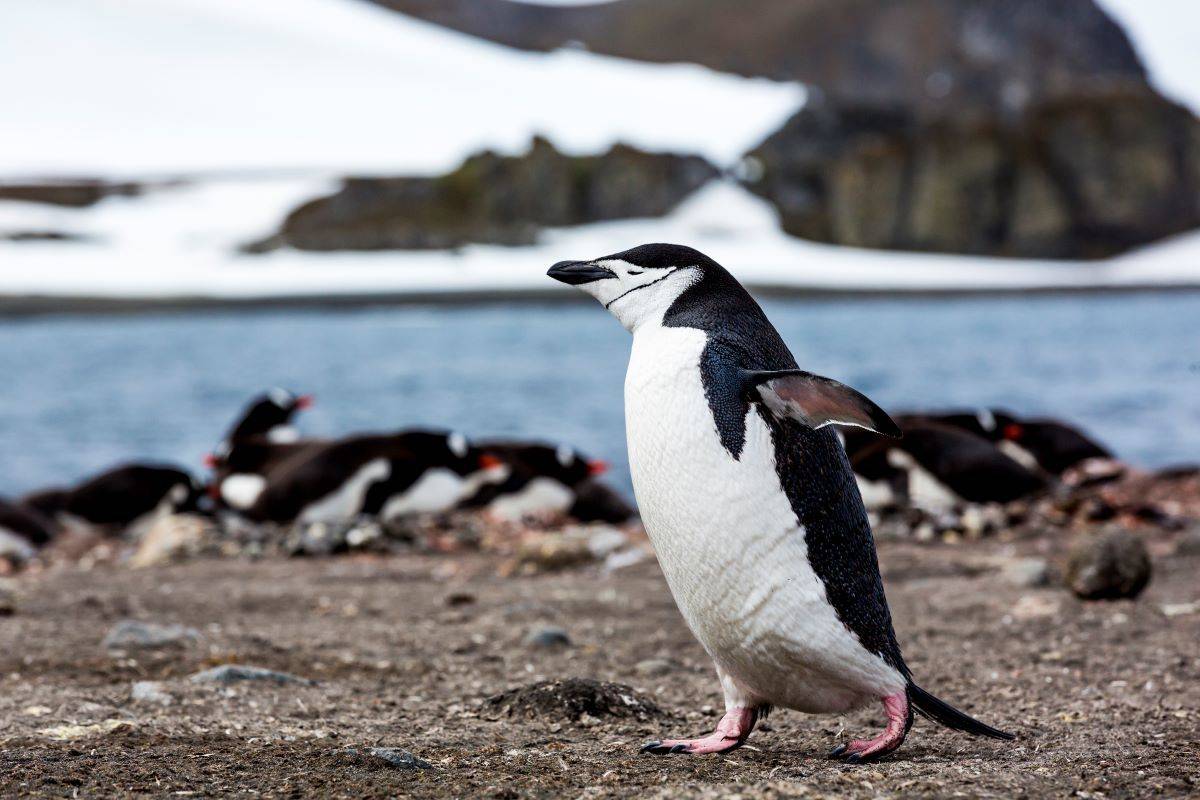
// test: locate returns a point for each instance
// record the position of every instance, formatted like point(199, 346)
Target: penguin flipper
point(815, 401)
point(945, 714)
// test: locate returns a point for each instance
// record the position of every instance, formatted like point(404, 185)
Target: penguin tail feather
point(945, 714)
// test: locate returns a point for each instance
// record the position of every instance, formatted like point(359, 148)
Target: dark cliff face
point(929, 55)
point(1084, 176)
point(493, 199)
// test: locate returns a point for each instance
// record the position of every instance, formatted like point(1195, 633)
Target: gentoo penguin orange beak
point(305, 401)
point(597, 467)
point(576, 273)
point(209, 460)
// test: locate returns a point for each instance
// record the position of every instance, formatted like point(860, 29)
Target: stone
point(150, 692)
point(236, 673)
point(170, 538)
point(1027, 572)
point(492, 199)
point(654, 667)
point(391, 756)
point(1188, 542)
point(132, 634)
point(572, 698)
point(548, 637)
point(8, 598)
point(67, 733)
point(1109, 565)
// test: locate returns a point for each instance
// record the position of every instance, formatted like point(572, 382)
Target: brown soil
point(1105, 697)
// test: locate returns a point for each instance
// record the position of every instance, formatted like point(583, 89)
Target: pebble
point(8, 598)
point(654, 667)
point(1107, 566)
point(1027, 572)
point(233, 673)
point(131, 633)
point(1188, 543)
point(392, 756)
point(150, 692)
point(548, 637)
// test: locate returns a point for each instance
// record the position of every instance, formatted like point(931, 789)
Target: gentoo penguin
point(936, 467)
point(542, 479)
point(1040, 443)
point(261, 438)
point(748, 498)
point(385, 475)
point(26, 522)
point(240, 468)
point(122, 495)
point(270, 414)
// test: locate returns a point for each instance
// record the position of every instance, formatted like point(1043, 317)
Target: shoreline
point(14, 306)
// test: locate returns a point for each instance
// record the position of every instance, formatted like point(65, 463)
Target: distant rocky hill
point(930, 55)
point(1000, 127)
point(492, 199)
point(1080, 176)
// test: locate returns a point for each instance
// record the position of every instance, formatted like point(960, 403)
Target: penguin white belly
point(730, 545)
point(438, 489)
point(540, 496)
point(346, 501)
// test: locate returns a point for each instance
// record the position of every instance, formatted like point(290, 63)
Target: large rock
point(1080, 177)
point(932, 55)
point(1108, 566)
point(493, 199)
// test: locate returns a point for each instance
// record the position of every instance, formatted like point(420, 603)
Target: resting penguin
point(542, 479)
point(122, 495)
point(384, 475)
point(748, 498)
point(26, 522)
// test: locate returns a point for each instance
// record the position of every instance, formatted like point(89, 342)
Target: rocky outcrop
point(493, 199)
point(1084, 176)
point(926, 55)
point(73, 194)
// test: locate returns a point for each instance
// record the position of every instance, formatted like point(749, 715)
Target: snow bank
point(126, 88)
point(180, 243)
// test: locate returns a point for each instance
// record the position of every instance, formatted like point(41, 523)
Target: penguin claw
point(837, 751)
point(854, 758)
point(679, 748)
point(652, 747)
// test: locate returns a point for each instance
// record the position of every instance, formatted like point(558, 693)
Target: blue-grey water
point(84, 392)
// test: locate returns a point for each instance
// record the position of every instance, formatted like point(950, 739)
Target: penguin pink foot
point(899, 720)
point(730, 734)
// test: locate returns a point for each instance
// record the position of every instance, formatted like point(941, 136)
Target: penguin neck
point(645, 308)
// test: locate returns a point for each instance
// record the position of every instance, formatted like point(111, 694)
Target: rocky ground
point(439, 657)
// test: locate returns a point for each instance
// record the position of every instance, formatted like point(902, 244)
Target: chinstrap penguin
point(748, 497)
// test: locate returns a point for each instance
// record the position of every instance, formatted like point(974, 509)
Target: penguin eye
point(635, 272)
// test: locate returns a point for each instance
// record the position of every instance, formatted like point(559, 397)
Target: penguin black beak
point(579, 272)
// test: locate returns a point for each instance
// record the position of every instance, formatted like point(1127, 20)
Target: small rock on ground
point(548, 637)
point(1108, 566)
point(150, 692)
point(1027, 572)
point(572, 699)
point(233, 673)
point(654, 667)
point(1188, 543)
point(391, 756)
point(132, 634)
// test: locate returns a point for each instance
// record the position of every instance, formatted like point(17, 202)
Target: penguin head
point(270, 414)
point(641, 284)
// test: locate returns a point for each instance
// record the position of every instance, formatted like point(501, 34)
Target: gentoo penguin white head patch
point(636, 285)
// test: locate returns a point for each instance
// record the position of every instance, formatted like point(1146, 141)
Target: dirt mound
point(572, 698)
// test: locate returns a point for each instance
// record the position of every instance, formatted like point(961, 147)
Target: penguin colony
point(748, 497)
point(264, 471)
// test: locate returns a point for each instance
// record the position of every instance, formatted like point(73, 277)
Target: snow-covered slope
point(179, 242)
point(130, 87)
point(1166, 34)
